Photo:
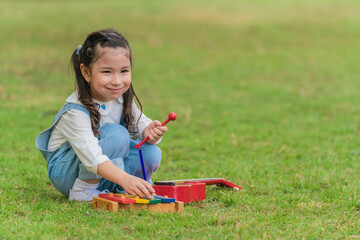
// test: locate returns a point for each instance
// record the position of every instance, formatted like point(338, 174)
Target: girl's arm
point(131, 184)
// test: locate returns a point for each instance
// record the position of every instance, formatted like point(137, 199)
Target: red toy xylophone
point(190, 190)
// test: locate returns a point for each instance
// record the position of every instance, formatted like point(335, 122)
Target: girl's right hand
point(137, 187)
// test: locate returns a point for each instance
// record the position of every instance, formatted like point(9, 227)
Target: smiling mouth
point(116, 90)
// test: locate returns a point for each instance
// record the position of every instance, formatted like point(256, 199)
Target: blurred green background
point(266, 94)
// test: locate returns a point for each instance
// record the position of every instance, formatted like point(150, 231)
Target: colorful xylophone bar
point(114, 202)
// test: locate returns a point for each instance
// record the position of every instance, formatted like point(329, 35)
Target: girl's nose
point(116, 80)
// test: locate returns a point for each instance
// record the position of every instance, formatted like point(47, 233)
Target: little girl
point(88, 148)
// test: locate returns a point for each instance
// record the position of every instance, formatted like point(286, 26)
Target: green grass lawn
point(266, 92)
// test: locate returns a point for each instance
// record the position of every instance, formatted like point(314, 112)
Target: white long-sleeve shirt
point(75, 126)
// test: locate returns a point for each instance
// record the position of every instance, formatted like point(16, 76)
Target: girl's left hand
point(155, 131)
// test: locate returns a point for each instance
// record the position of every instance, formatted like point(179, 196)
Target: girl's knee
point(114, 140)
point(152, 156)
point(114, 130)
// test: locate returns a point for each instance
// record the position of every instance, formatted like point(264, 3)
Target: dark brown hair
point(87, 54)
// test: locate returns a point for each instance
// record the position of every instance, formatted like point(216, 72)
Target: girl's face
point(110, 76)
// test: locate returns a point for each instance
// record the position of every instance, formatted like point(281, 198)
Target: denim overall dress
point(64, 166)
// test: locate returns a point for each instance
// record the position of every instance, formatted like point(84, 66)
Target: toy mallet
point(172, 117)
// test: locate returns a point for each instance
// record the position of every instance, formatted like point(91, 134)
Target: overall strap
point(70, 106)
point(67, 107)
point(122, 123)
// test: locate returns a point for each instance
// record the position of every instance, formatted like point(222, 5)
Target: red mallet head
point(172, 116)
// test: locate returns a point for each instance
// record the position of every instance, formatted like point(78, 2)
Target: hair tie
point(78, 49)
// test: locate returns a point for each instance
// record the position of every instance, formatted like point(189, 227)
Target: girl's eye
point(124, 71)
point(106, 71)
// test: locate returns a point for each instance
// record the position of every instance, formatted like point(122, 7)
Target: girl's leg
point(120, 148)
point(132, 165)
point(151, 156)
point(65, 167)
point(115, 144)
